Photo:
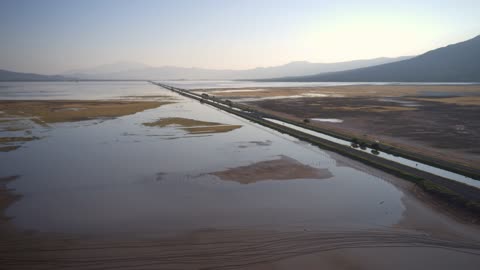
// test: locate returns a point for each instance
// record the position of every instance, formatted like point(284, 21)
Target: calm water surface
point(120, 176)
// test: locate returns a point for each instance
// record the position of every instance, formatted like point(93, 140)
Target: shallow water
point(72, 90)
point(121, 176)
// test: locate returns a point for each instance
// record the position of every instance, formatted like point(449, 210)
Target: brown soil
point(284, 168)
point(193, 126)
point(434, 128)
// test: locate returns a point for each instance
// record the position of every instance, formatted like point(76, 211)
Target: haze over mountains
point(6, 75)
point(458, 62)
point(138, 71)
point(454, 63)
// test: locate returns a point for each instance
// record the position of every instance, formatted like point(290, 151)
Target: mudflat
point(23, 115)
point(283, 168)
point(56, 111)
point(192, 126)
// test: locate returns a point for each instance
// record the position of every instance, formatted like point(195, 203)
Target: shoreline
point(456, 194)
point(244, 247)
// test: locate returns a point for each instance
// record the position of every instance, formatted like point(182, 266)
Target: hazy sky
point(50, 36)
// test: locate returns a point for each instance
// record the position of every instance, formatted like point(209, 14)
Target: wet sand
point(284, 168)
point(428, 239)
point(241, 249)
point(422, 234)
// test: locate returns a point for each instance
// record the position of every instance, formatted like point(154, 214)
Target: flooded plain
point(120, 176)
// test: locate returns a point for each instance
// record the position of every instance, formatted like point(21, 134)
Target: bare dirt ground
point(440, 120)
point(284, 168)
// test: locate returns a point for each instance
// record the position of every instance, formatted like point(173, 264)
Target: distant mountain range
point(129, 70)
point(459, 62)
point(454, 63)
point(6, 75)
point(138, 71)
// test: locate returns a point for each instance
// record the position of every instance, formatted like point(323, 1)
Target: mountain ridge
point(452, 63)
point(194, 73)
point(6, 75)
